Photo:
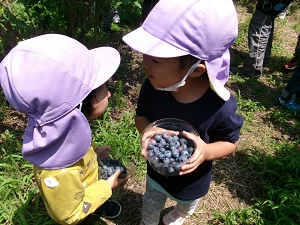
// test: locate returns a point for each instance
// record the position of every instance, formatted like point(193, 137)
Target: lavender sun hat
point(46, 77)
point(202, 28)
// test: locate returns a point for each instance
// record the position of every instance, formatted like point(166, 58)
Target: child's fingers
point(191, 136)
point(103, 148)
point(198, 157)
point(102, 152)
point(188, 169)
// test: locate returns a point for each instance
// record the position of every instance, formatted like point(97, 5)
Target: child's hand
point(115, 182)
point(150, 134)
point(199, 155)
point(102, 152)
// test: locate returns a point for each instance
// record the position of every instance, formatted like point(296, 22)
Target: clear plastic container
point(160, 160)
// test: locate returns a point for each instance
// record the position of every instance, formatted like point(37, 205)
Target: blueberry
point(167, 146)
point(168, 154)
point(159, 145)
point(151, 153)
point(163, 142)
point(165, 135)
point(179, 148)
point(151, 146)
point(161, 156)
point(183, 141)
point(175, 138)
point(170, 139)
point(184, 152)
point(110, 171)
point(166, 160)
point(175, 153)
point(158, 137)
point(172, 143)
point(172, 148)
point(182, 158)
point(156, 151)
point(162, 150)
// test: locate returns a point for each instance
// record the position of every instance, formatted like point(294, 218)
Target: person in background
point(287, 97)
point(147, 6)
point(60, 85)
point(185, 47)
point(108, 16)
point(292, 64)
point(260, 37)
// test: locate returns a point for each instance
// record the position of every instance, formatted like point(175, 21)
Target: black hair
point(187, 61)
point(87, 104)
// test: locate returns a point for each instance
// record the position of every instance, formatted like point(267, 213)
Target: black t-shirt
point(214, 119)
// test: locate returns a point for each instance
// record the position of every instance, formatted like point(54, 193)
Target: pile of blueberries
point(166, 153)
point(110, 167)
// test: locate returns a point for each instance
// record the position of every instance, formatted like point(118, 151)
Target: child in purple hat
point(60, 85)
point(185, 47)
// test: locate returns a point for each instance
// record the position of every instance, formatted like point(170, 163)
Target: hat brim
point(218, 74)
point(109, 59)
point(146, 43)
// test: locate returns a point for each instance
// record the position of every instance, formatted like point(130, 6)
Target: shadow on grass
point(266, 96)
point(270, 183)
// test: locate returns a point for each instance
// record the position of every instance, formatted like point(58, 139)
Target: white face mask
point(182, 82)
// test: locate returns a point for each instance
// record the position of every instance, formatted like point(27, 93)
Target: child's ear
point(200, 69)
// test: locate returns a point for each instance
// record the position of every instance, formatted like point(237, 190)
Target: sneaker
point(292, 64)
point(241, 72)
point(173, 218)
point(110, 209)
point(289, 103)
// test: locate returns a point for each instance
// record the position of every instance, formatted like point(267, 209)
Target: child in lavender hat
point(185, 47)
point(60, 85)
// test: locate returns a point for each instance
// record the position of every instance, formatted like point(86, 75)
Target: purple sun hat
point(202, 28)
point(46, 77)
